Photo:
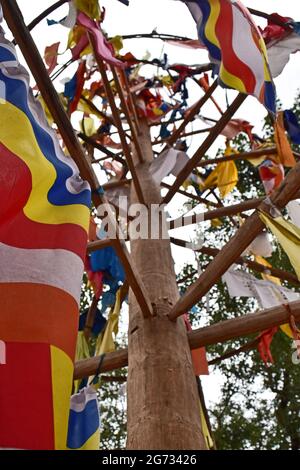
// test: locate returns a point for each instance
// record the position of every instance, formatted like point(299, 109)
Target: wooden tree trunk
point(163, 402)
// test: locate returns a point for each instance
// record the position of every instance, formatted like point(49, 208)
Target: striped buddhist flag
point(44, 218)
point(236, 46)
point(84, 421)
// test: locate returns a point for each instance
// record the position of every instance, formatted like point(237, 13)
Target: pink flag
point(102, 47)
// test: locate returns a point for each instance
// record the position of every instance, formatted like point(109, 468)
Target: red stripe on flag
point(19, 231)
point(224, 32)
point(26, 406)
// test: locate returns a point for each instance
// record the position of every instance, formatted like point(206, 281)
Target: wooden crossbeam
point(96, 145)
point(258, 267)
point(184, 221)
point(99, 245)
point(183, 136)
point(242, 156)
point(252, 227)
point(219, 333)
point(194, 197)
point(15, 21)
point(194, 161)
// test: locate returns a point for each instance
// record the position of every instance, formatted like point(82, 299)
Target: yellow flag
point(288, 236)
point(82, 352)
point(227, 177)
point(206, 434)
point(259, 160)
point(117, 42)
point(89, 7)
point(224, 176)
point(285, 153)
point(105, 343)
point(267, 277)
point(88, 126)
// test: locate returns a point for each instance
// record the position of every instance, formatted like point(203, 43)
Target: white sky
point(168, 16)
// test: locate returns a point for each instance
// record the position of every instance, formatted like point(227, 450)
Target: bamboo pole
point(238, 244)
point(15, 21)
point(219, 333)
point(194, 161)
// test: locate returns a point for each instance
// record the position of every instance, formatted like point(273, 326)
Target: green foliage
point(113, 412)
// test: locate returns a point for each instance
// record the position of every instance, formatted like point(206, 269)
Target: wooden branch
point(242, 156)
point(192, 196)
point(46, 13)
point(131, 99)
point(194, 161)
point(183, 136)
point(112, 361)
point(123, 182)
point(116, 116)
point(126, 111)
point(219, 333)
point(238, 244)
point(260, 268)
point(193, 112)
point(96, 145)
point(184, 221)
point(235, 352)
point(270, 17)
point(90, 319)
point(244, 325)
point(98, 245)
point(15, 21)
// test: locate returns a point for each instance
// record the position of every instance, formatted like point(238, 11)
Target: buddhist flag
point(84, 421)
point(44, 218)
point(236, 46)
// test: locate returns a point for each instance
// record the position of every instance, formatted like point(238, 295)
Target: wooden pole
point(163, 407)
point(238, 244)
point(219, 333)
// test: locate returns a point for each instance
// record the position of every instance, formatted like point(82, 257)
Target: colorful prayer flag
point(44, 217)
point(236, 46)
point(84, 421)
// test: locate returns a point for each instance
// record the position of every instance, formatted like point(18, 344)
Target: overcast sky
point(172, 17)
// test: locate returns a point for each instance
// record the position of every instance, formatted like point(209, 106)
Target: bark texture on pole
point(163, 402)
